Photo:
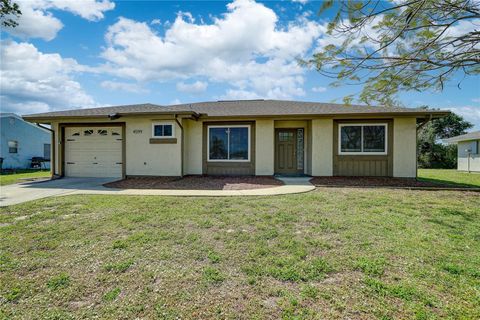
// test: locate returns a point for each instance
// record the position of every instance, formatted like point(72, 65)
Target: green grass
point(450, 176)
point(9, 178)
point(330, 254)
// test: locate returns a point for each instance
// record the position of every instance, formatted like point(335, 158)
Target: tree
point(8, 9)
point(399, 45)
point(432, 153)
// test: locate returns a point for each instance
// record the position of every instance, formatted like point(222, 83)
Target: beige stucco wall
point(265, 147)
point(322, 147)
point(404, 147)
point(464, 158)
point(193, 147)
point(144, 158)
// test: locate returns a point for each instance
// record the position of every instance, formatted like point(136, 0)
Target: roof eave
point(48, 119)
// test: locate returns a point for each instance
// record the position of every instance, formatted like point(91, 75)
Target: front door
point(286, 151)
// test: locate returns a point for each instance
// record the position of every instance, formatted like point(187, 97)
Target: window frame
point(163, 124)
point(227, 126)
point(361, 153)
point(10, 148)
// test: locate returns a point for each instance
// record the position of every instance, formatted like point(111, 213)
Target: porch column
point(264, 147)
point(322, 147)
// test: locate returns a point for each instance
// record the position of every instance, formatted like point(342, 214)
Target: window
point(46, 151)
point(163, 130)
point(87, 132)
point(363, 139)
point(12, 146)
point(102, 132)
point(229, 143)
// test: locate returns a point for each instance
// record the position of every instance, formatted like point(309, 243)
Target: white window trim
point(228, 126)
point(362, 153)
point(163, 123)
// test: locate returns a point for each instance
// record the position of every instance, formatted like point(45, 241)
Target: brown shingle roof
point(241, 108)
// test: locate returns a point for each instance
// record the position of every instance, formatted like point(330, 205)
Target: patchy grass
point(11, 178)
point(450, 176)
point(332, 253)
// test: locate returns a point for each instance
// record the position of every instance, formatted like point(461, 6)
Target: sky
point(94, 53)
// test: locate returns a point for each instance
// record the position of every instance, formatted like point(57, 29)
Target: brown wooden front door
point(286, 151)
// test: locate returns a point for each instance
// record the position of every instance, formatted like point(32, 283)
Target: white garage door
point(93, 152)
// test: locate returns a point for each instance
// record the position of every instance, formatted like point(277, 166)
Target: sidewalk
point(20, 193)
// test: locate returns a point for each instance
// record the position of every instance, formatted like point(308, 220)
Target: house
point(468, 151)
point(21, 141)
point(250, 137)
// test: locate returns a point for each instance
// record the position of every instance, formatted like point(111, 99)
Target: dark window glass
point(163, 130)
point(218, 143)
point(88, 132)
point(238, 144)
point(374, 139)
point(351, 139)
point(167, 130)
point(102, 132)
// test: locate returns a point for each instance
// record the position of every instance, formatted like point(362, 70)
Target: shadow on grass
point(449, 183)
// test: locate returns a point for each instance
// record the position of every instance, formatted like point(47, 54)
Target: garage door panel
point(93, 152)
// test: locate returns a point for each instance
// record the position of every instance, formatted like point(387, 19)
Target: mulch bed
point(196, 183)
point(377, 182)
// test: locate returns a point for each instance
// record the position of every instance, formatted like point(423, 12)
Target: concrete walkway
point(19, 193)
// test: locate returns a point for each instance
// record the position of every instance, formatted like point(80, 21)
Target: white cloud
point(155, 22)
point(37, 20)
point(319, 89)
point(33, 81)
point(244, 48)
point(122, 86)
point(300, 1)
point(469, 113)
point(193, 88)
point(476, 100)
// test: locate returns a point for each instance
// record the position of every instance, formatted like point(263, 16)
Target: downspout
point(52, 151)
point(181, 143)
point(416, 143)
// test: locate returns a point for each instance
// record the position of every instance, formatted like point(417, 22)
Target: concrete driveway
point(23, 192)
point(19, 193)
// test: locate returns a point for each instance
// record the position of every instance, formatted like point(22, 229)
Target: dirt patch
point(377, 182)
point(196, 183)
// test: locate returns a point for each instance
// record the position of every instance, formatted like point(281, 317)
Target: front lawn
point(450, 176)
point(332, 254)
point(11, 178)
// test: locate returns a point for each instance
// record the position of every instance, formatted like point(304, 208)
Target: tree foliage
point(431, 152)
point(8, 10)
point(399, 45)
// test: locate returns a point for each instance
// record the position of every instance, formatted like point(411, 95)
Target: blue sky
point(90, 53)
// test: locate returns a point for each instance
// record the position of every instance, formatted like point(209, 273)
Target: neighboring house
point(468, 151)
point(251, 137)
point(22, 140)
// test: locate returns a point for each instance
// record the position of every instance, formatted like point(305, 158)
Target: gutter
point(52, 151)
point(182, 143)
